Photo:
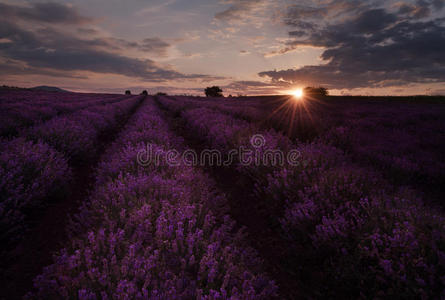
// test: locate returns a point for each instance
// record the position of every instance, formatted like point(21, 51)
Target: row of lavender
point(37, 167)
point(403, 140)
point(251, 110)
point(76, 134)
point(153, 231)
point(360, 235)
point(23, 109)
point(40, 97)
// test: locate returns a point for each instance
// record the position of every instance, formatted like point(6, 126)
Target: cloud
point(237, 9)
point(48, 12)
point(87, 31)
point(438, 92)
point(254, 87)
point(247, 12)
point(155, 8)
point(314, 14)
point(367, 46)
point(154, 45)
point(10, 67)
point(53, 52)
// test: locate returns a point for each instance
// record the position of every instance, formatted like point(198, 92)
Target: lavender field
point(106, 196)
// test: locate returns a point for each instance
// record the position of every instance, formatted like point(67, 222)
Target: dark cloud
point(48, 12)
point(87, 31)
point(372, 21)
point(37, 38)
point(154, 45)
point(47, 49)
point(313, 16)
point(236, 10)
point(297, 33)
point(417, 11)
point(10, 67)
point(297, 12)
point(369, 46)
point(438, 4)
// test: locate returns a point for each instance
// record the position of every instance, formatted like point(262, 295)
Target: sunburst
point(298, 93)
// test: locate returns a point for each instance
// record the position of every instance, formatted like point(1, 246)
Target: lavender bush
point(403, 140)
point(369, 238)
point(21, 109)
point(35, 171)
point(76, 135)
point(30, 174)
point(352, 215)
point(153, 232)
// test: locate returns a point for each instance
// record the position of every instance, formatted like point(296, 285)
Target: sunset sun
point(298, 93)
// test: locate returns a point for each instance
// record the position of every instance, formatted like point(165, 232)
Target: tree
point(127, 92)
point(316, 91)
point(144, 92)
point(214, 91)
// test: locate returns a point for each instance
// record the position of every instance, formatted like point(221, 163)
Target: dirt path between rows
point(47, 233)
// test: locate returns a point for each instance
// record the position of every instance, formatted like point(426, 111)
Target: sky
point(248, 47)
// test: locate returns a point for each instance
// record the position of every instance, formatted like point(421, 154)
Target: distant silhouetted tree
point(323, 91)
point(315, 91)
point(127, 92)
point(214, 91)
point(144, 92)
